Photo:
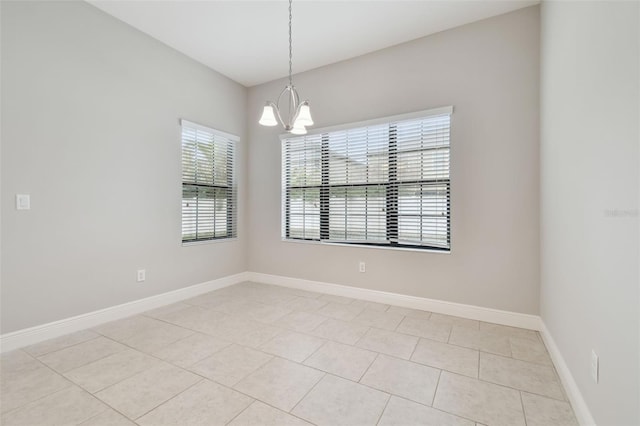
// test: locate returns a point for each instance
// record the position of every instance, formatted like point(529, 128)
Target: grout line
point(383, 409)
point(309, 391)
point(524, 414)
point(413, 351)
point(322, 345)
point(242, 411)
point(368, 368)
point(435, 391)
point(167, 400)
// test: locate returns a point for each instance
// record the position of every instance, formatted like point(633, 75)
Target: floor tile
point(509, 331)
point(529, 350)
point(260, 414)
point(447, 357)
point(205, 404)
point(478, 400)
point(139, 394)
point(541, 411)
point(273, 297)
point(424, 328)
point(526, 376)
point(303, 293)
point(190, 350)
point(482, 340)
point(305, 304)
point(107, 371)
point(340, 311)
point(267, 313)
point(164, 311)
point(342, 360)
point(157, 338)
point(403, 378)
point(230, 365)
point(127, 327)
point(292, 346)
point(195, 318)
point(225, 335)
point(16, 362)
point(83, 353)
point(212, 300)
point(388, 342)
point(109, 417)
point(26, 383)
point(451, 320)
point(260, 335)
point(232, 327)
point(237, 306)
point(68, 406)
point(280, 383)
point(300, 321)
point(335, 401)
point(61, 342)
point(340, 331)
point(337, 299)
point(401, 412)
point(374, 306)
point(412, 313)
point(378, 319)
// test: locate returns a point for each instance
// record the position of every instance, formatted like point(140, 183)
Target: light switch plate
point(23, 202)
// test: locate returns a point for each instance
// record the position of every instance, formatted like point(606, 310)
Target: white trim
point(365, 246)
point(208, 129)
point(580, 408)
point(496, 316)
point(30, 336)
point(446, 110)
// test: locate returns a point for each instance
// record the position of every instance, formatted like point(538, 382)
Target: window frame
point(391, 186)
point(230, 187)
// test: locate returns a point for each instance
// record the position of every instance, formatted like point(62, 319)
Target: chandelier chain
point(290, 48)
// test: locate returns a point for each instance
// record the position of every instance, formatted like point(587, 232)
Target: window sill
point(204, 242)
point(365, 246)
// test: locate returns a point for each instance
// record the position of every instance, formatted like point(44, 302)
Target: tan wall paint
point(590, 113)
point(90, 110)
point(488, 71)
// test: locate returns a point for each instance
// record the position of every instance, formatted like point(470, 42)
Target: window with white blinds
point(208, 185)
point(381, 184)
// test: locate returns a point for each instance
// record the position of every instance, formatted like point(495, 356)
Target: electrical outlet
point(23, 202)
point(142, 275)
point(595, 366)
point(362, 267)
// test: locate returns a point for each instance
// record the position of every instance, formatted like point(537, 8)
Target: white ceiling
point(247, 40)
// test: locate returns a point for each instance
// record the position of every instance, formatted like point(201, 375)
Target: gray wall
point(489, 72)
point(589, 198)
point(90, 111)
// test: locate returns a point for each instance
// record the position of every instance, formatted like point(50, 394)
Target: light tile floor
point(255, 354)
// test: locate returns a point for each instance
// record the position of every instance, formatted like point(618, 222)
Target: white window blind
point(208, 184)
point(381, 184)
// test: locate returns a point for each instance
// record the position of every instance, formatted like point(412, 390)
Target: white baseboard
point(514, 319)
point(580, 408)
point(30, 336)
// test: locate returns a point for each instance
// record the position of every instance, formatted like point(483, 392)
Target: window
point(378, 184)
point(208, 187)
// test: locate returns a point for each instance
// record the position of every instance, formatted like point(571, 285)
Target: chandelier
point(298, 113)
